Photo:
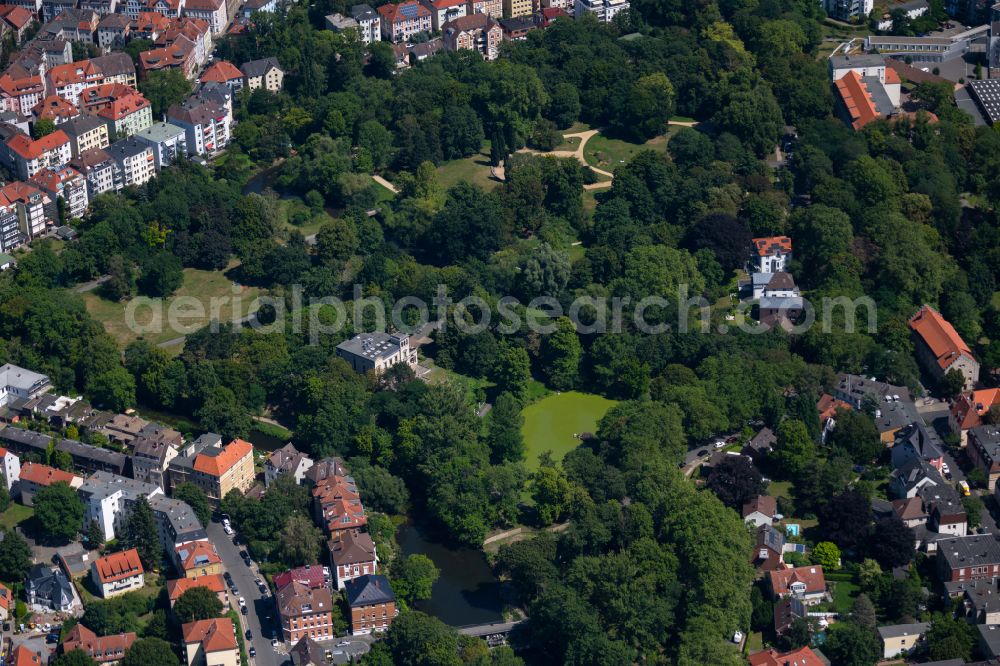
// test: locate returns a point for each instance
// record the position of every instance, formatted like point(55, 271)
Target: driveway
point(262, 618)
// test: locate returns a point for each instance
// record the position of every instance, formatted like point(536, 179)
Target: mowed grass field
point(605, 153)
point(191, 304)
point(549, 424)
point(475, 169)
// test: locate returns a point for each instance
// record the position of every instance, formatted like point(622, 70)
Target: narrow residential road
point(262, 618)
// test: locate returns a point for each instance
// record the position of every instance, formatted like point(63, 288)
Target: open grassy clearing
point(475, 169)
point(190, 307)
point(550, 423)
point(606, 153)
point(15, 515)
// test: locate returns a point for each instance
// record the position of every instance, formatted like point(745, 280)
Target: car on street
point(719, 444)
point(274, 642)
point(963, 487)
point(249, 635)
point(252, 652)
point(244, 610)
point(262, 588)
point(703, 452)
point(243, 602)
point(228, 530)
point(343, 643)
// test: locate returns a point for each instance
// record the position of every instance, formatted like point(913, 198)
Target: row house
point(56, 109)
point(35, 476)
point(18, 19)
point(213, 12)
point(443, 11)
point(207, 123)
point(211, 643)
point(265, 73)
point(101, 7)
point(154, 446)
point(180, 54)
point(29, 204)
point(940, 348)
point(86, 133)
point(372, 604)
point(196, 30)
point(476, 32)
point(224, 72)
point(352, 555)
point(20, 93)
point(117, 573)
point(125, 113)
point(401, 21)
point(102, 172)
point(305, 611)
point(64, 183)
point(113, 32)
point(29, 156)
point(168, 143)
point(68, 81)
point(197, 559)
point(102, 649)
point(110, 498)
point(134, 159)
point(214, 468)
point(76, 25)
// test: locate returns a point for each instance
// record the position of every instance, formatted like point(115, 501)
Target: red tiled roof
point(18, 191)
point(891, 76)
point(15, 87)
point(310, 576)
point(196, 554)
point(969, 408)
point(857, 100)
point(99, 648)
point(221, 71)
point(175, 588)
point(218, 465)
point(53, 107)
point(812, 576)
point(772, 245)
point(6, 596)
point(118, 566)
point(30, 149)
point(939, 336)
point(24, 656)
point(214, 635)
point(43, 475)
point(50, 179)
point(801, 657)
point(909, 509)
point(124, 106)
point(445, 4)
point(827, 406)
point(17, 17)
point(204, 5)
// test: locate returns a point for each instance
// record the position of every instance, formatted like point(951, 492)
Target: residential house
point(16, 383)
point(372, 604)
point(286, 460)
point(102, 173)
point(338, 504)
point(102, 649)
point(18, 19)
point(225, 72)
point(806, 583)
point(918, 442)
point(769, 552)
point(771, 254)
point(87, 458)
point(968, 558)
point(118, 573)
point(899, 640)
point(546, 16)
point(307, 652)
point(981, 601)
point(940, 348)
point(25, 656)
point(983, 450)
point(123, 109)
point(377, 351)
point(768, 285)
point(153, 449)
point(760, 510)
point(399, 22)
point(911, 511)
point(20, 91)
point(120, 429)
point(212, 582)
point(604, 10)
point(176, 523)
point(515, 29)
point(760, 444)
point(53, 8)
point(211, 643)
point(68, 81)
point(492, 8)
point(893, 405)
point(29, 204)
point(369, 23)
point(251, 7)
point(11, 467)
point(970, 409)
point(85, 133)
point(35, 476)
point(180, 54)
point(196, 30)
point(352, 555)
point(64, 183)
point(56, 109)
point(168, 143)
point(443, 11)
point(149, 25)
point(113, 32)
point(312, 576)
point(207, 123)
point(213, 12)
point(827, 406)
point(134, 159)
point(110, 498)
point(29, 156)
point(305, 611)
point(475, 32)
point(22, 441)
point(49, 588)
point(214, 468)
point(197, 558)
point(782, 312)
point(265, 73)
point(801, 657)
point(786, 611)
point(907, 480)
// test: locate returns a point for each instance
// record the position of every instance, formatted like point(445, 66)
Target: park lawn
point(15, 515)
point(550, 423)
point(475, 169)
point(569, 143)
point(844, 593)
point(198, 284)
point(605, 153)
point(383, 193)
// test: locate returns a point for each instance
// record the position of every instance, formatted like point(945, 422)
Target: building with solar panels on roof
point(986, 95)
point(377, 351)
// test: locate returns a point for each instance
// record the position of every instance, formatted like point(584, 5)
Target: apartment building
point(29, 156)
point(197, 559)
point(18, 19)
point(305, 611)
point(476, 32)
point(180, 54)
point(68, 81)
point(168, 143)
point(968, 558)
point(176, 523)
point(117, 573)
point(213, 12)
point(213, 583)
point(20, 92)
point(372, 603)
point(196, 30)
point(102, 649)
point(214, 468)
point(352, 555)
point(109, 498)
point(35, 476)
point(29, 204)
point(134, 159)
point(369, 23)
point(224, 72)
point(17, 383)
point(102, 172)
point(85, 133)
point(941, 349)
point(152, 450)
point(64, 183)
point(265, 73)
point(113, 32)
point(207, 123)
point(377, 352)
point(443, 11)
point(286, 460)
point(122, 108)
point(11, 467)
point(11, 236)
point(401, 21)
point(56, 109)
point(515, 8)
point(211, 643)
point(492, 8)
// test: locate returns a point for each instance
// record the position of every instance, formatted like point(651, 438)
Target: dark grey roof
point(859, 60)
point(983, 596)
point(517, 23)
point(51, 585)
point(990, 638)
point(114, 63)
point(900, 630)
point(924, 442)
point(181, 517)
point(881, 98)
point(81, 125)
point(781, 280)
point(912, 472)
point(970, 551)
point(259, 67)
point(124, 148)
point(22, 439)
point(373, 345)
point(104, 484)
point(363, 12)
point(770, 537)
point(763, 440)
point(369, 589)
point(84, 455)
point(307, 652)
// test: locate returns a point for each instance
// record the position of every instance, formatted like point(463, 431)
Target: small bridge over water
point(495, 634)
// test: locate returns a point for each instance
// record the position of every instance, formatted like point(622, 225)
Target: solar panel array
point(987, 94)
point(410, 11)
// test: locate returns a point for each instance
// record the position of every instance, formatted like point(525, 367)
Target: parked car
point(274, 642)
point(244, 610)
point(702, 453)
point(227, 529)
point(243, 602)
point(252, 652)
point(343, 643)
point(963, 486)
point(249, 635)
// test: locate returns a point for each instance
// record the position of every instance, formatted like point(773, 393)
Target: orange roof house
point(118, 566)
point(941, 348)
point(31, 149)
point(856, 99)
point(25, 656)
point(827, 407)
point(213, 582)
point(102, 649)
point(207, 636)
point(221, 71)
point(56, 109)
point(198, 559)
point(969, 409)
point(772, 245)
point(801, 657)
point(218, 465)
point(806, 583)
point(43, 475)
point(6, 601)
